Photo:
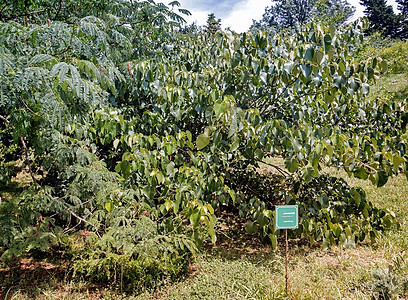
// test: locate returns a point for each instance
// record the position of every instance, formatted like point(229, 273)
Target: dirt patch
point(28, 274)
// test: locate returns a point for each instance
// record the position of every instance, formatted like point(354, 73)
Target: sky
point(238, 14)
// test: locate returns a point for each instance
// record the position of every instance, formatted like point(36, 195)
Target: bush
point(134, 258)
point(395, 54)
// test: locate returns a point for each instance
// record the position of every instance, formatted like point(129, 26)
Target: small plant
point(386, 284)
point(133, 257)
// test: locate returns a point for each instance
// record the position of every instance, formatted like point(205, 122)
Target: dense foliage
point(283, 14)
point(137, 135)
point(381, 16)
point(383, 19)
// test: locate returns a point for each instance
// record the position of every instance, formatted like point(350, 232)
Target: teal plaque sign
point(286, 217)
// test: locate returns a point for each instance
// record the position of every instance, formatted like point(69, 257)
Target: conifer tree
point(213, 25)
point(382, 17)
point(403, 7)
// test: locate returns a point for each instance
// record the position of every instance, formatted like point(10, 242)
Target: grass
point(338, 273)
point(239, 267)
point(395, 86)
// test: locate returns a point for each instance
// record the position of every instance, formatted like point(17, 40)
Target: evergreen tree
point(213, 25)
point(292, 13)
point(403, 7)
point(381, 17)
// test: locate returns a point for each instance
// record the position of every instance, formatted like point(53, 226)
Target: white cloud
point(198, 16)
point(240, 18)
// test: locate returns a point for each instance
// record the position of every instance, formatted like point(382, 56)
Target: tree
point(403, 7)
point(213, 25)
point(190, 29)
point(334, 12)
point(142, 134)
point(292, 13)
point(382, 17)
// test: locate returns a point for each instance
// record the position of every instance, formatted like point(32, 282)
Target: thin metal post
point(286, 263)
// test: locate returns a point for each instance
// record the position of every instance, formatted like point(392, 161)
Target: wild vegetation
point(138, 138)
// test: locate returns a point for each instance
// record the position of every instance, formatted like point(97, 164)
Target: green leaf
point(383, 66)
point(256, 67)
point(236, 59)
point(195, 218)
point(338, 81)
point(319, 56)
point(202, 141)
point(116, 143)
point(170, 169)
point(212, 234)
point(251, 227)
point(274, 241)
point(289, 66)
point(125, 168)
point(291, 164)
point(234, 125)
point(235, 144)
point(109, 206)
point(332, 30)
point(309, 54)
point(159, 177)
point(259, 154)
point(382, 178)
point(325, 244)
point(397, 161)
point(149, 192)
point(365, 88)
point(307, 70)
point(361, 173)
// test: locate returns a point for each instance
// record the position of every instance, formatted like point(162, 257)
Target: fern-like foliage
point(58, 68)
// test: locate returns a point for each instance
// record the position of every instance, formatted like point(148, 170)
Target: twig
point(28, 163)
point(287, 86)
point(25, 151)
point(6, 121)
point(279, 169)
point(276, 97)
point(314, 94)
point(58, 10)
point(34, 113)
point(130, 23)
point(72, 228)
point(62, 52)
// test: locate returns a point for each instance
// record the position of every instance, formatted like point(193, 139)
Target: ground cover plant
point(137, 138)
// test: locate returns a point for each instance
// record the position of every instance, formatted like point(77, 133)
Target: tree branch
point(62, 52)
point(279, 169)
point(28, 162)
point(313, 94)
point(276, 97)
point(287, 86)
point(39, 186)
point(6, 121)
point(58, 10)
point(27, 14)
